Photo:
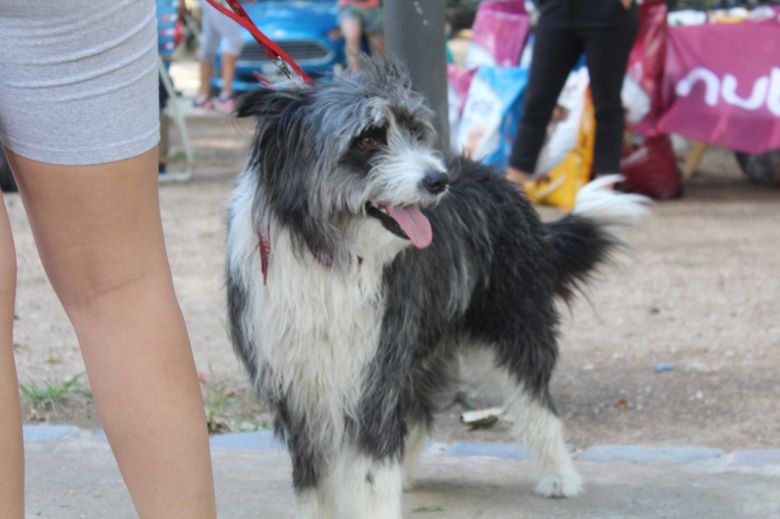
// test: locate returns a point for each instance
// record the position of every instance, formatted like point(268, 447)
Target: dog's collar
point(264, 247)
point(265, 252)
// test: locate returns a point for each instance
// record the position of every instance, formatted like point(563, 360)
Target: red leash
point(275, 53)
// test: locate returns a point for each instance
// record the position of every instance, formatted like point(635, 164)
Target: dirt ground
point(698, 290)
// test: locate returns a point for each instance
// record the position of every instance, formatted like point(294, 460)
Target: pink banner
point(722, 85)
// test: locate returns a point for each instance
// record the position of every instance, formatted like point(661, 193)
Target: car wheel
point(760, 168)
point(7, 182)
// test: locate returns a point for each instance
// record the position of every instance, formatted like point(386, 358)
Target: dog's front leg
point(311, 471)
point(367, 487)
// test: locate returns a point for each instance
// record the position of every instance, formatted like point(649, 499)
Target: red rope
point(272, 50)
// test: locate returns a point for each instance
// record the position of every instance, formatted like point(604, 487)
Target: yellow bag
point(573, 172)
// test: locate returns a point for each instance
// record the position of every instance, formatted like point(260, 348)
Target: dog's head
point(348, 164)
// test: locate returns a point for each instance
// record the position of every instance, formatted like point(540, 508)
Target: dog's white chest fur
point(314, 326)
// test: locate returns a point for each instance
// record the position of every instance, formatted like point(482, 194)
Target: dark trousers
point(605, 31)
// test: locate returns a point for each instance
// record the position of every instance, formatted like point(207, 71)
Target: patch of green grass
point(52, 394)
point(428, 509)
point(224, 411)
point(216, 399)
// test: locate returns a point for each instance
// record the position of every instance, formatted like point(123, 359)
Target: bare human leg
point(99, 234)
point(206, 71)
point(376, 42)
point(352, 31)
point(11, 449)
point(228, 74)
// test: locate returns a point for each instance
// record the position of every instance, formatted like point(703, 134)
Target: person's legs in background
point(228, 65)
point(352, 30)
point(376, 42)
point(556, 51)
point(206, 71)
point(100, 239)
point(226, 101)
point(11, 450)
point(607, 55)
point(231, 43)
point(207, 51)
point(373, 25)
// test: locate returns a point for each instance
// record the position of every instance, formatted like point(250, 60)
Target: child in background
point(217, 31)
point(358, 17)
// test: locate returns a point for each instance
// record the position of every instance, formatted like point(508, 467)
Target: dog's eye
point(368, 142)
point(418, 133)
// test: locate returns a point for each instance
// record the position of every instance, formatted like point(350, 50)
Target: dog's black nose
point(435, 181)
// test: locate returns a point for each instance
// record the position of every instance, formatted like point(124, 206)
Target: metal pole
point(415, 33)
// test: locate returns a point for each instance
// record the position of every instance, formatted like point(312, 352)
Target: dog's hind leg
point(416, 435)
point(539, 428)
point(528, 405)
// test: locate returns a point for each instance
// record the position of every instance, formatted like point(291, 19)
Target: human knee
point(80, 290)
point(351, 29)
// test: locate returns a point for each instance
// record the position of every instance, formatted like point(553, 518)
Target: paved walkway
point(71, 474)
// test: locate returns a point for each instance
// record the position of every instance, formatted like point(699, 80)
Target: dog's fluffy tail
point(582, 240)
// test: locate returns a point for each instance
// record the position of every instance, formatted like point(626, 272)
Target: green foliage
point(52, 394)
point(224, 411)
point(428, 509)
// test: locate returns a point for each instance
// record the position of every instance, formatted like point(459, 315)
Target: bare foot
point(517, 176)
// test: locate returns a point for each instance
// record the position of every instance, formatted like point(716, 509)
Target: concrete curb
point(765, 459)
point(71, 474)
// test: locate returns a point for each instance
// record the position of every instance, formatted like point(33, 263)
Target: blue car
point(307, 30)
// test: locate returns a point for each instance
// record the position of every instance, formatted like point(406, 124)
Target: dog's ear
point(268, 102)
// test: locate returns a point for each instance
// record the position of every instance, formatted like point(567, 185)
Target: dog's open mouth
point(408, 222)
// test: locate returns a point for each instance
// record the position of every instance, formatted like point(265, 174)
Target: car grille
point(299, 50)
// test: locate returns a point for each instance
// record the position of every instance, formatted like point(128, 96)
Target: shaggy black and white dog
point(362, 265)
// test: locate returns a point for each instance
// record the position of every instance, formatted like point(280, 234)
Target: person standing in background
point(604, 30)
point(358, 17)
point(218, 32)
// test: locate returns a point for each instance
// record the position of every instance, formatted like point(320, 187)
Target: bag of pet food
point(641, 92)
point(564, 127)
point(559, 188)
point(500, 31)
point(492, 114)
point(458, 83)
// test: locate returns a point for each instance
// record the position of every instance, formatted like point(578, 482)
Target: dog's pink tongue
point(414, 223)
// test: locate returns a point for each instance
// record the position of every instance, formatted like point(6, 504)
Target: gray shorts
point(218, 33)
point(78, 79)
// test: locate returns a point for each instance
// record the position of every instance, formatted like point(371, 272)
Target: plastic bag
point(492, 114)
point(650, 168)
point(458, 84)
point(499, 33)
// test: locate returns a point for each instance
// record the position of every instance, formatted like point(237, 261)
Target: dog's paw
point(565, 484)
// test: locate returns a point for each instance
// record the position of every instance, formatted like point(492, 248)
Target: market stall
point(712, 77)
